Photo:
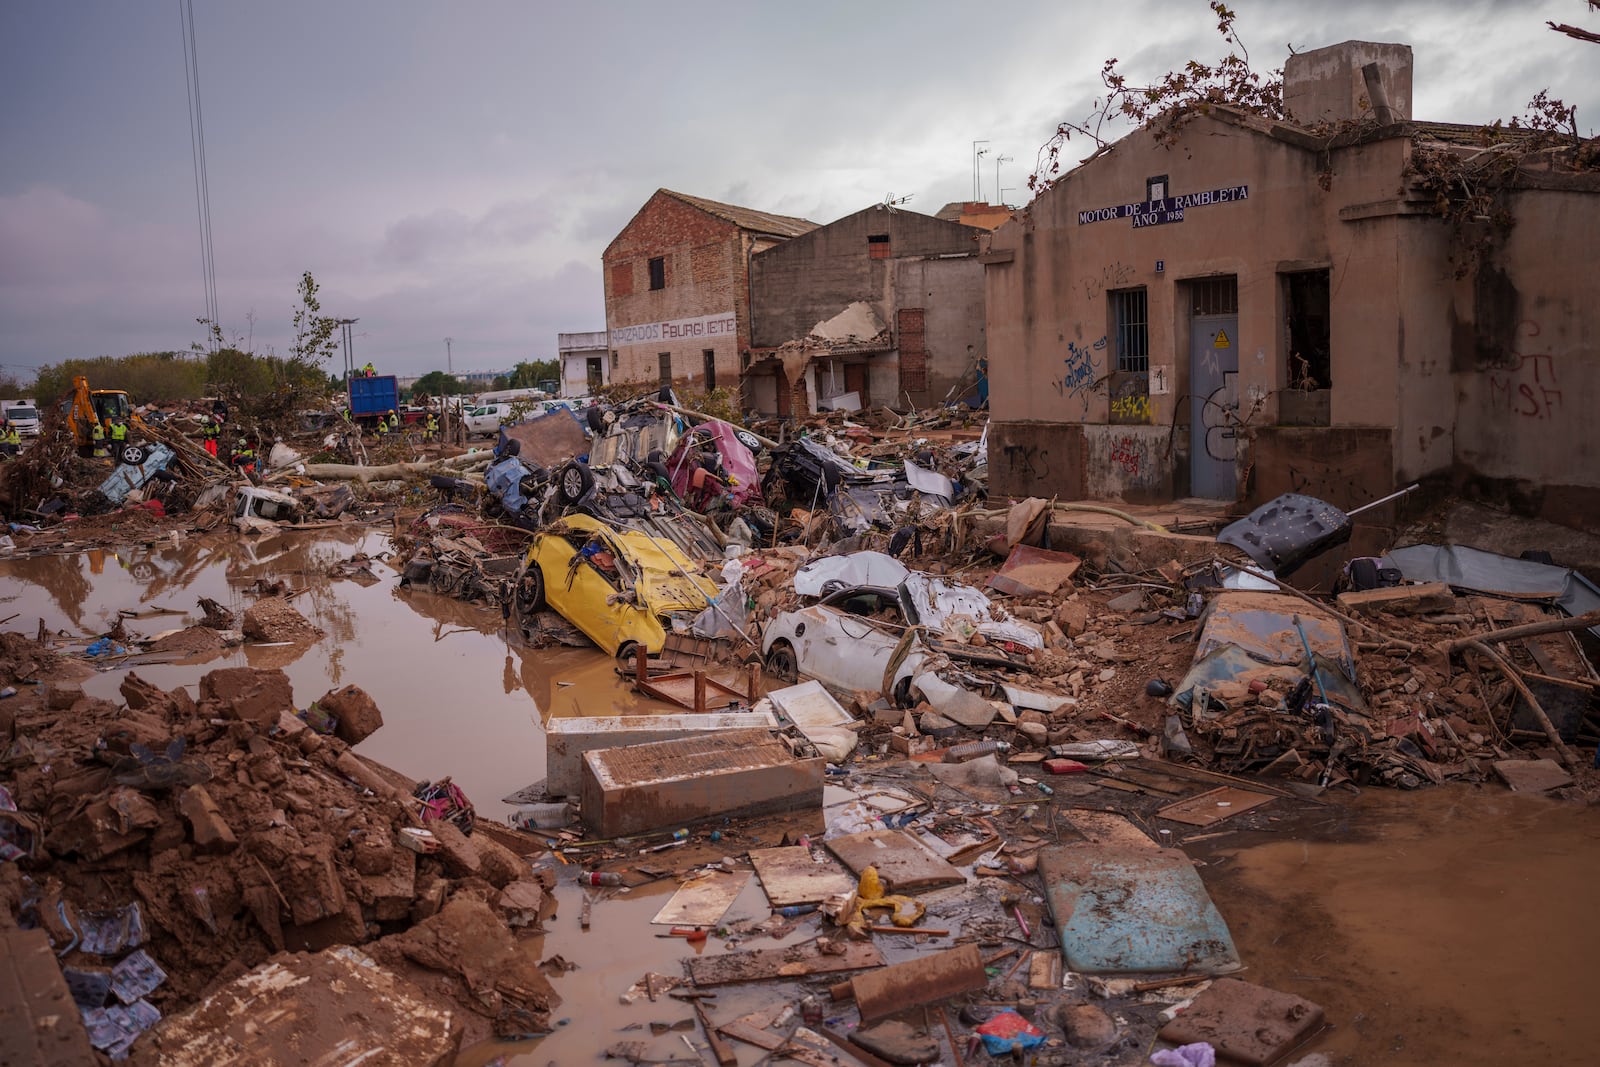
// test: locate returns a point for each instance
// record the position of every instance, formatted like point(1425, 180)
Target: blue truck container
point(371, 397)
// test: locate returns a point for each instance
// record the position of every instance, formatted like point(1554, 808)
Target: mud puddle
point(458, 697)
point(1452, 925)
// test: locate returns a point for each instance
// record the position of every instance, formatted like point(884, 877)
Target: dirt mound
point(275, 619)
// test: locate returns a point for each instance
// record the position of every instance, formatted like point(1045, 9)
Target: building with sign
point(677, 289)
point(1235, 307)
point(882, 307)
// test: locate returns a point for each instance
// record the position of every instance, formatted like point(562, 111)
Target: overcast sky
point(455, 169)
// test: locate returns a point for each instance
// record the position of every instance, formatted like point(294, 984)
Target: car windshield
point(877, 604)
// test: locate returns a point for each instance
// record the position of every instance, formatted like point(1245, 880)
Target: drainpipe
point(1378, 96)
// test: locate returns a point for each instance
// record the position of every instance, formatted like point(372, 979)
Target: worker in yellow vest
point(394, 420)
point(98, 436)
point(430, 429)
point(119, 436)
point(383, 427)
point(10, 440)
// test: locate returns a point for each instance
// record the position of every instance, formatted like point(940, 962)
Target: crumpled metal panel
point(126, 476)
point(1488, 572)
point(1287, 531)
point(1134, 910)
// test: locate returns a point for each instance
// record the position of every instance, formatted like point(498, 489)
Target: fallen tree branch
point(1532, 629)
point(352, 472)
point(1514, 676)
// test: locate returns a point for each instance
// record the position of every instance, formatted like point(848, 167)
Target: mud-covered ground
point(1443, 925)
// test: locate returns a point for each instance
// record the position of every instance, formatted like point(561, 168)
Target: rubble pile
point(173, 844)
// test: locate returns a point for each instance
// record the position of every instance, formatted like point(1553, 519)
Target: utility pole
point(349, 346)
point(449, 363)
point(977, 181)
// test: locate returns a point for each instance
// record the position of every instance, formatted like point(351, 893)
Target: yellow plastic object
point(870, 897)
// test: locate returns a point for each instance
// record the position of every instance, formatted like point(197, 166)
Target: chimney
point(1349, 81)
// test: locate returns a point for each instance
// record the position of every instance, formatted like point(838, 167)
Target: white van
point(485, 419)
point(23, 414)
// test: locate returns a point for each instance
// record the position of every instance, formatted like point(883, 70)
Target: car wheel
point(781, 662)
point(573, 482)
point(133, 455)
point(530, 589)
point(142, 571)
point(748, 439)
point(626, 652)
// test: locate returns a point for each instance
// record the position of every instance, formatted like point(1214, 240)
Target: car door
point(842, 648)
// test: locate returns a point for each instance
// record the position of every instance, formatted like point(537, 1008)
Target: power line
point(197, 149)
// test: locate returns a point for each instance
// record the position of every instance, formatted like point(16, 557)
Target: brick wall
point(705, 272)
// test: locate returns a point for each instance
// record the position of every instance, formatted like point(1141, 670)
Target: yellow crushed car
point(620, 587)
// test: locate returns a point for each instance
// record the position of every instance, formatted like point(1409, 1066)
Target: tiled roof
point(747, 218)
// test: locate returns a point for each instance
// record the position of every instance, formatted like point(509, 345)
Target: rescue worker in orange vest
point(209, 433)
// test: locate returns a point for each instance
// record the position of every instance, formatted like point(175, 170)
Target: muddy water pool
point(1453, 925)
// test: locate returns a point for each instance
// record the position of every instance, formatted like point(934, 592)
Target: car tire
point(133, 455)
point(573, 482)
point(762, 520)
point(781, 662)
point(626, 652)
point(748, 439)
point(530, 589)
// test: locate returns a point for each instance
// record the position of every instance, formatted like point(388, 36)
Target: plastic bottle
point(811, 1010)
point(974, 750)
point(600, 878)
point(793, 910)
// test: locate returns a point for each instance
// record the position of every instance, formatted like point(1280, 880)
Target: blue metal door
point(1213, 405)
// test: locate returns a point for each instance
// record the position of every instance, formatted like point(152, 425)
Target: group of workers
point(115, 437)
point(390, 423)
point(10, 439)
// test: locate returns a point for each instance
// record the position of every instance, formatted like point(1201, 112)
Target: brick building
point(882, 307)
point(677, 289)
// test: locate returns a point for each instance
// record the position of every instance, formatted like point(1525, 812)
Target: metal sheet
point(704, 900)
point(1134, 910)
point(1471, 568)
point(811, 708)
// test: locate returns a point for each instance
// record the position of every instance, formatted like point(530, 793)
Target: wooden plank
point(1213, 806)
point(791, 875)
point(789, 961)
point(1399, 599)
point(904, 863)
point(923, 980)
point(725, 1055)
point(1107, 828)
point(1197, 774)
point(743, 1030)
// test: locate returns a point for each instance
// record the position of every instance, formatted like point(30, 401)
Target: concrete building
point(977, 213)
point(882, 307)
point(1249, 307)
point(585, 362)
point(677, 282)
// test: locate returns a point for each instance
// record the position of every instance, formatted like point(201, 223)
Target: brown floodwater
point(1452, 925)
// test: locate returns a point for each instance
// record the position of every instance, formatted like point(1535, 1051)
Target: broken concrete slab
point(249, 693)
point(337, 1006)
point(1531, 776)
point(207, 826)
point(273, 619)
point(703, 900)
point(566, 740)
point(39, 1022)
point(1245, 1023)
point(670, 784)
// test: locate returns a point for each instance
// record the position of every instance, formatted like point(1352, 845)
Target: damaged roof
point(747, 218)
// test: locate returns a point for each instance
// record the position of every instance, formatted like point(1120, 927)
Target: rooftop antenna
point(891, 201)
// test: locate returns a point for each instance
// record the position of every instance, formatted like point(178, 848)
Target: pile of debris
point(169, 846)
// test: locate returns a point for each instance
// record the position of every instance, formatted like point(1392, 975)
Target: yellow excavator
point(104, 406)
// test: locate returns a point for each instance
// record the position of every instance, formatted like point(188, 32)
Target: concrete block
point(337, 1006)
point(39, 1023)
point(675, 783)
point(255, 695)
point(211, 831)
point(566, 740)
point(356, 716)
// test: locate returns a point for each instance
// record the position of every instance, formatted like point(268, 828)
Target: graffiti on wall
point(1132, 408)
point(1111, 276)
point(1528, 389)
point(1127, 454)
point(1218, 417)
point(1080, 375)
point(1028, 461)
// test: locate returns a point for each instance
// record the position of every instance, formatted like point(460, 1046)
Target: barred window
point(1130, 323)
